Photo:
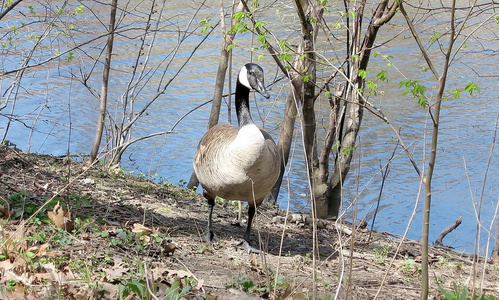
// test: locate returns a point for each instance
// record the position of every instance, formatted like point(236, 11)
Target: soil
point(101, 234)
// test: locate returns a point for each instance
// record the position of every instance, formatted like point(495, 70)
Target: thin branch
point(9, 8)
point(418, 41)
point(446, 231)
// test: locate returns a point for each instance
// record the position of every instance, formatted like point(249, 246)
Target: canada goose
point(238, 162)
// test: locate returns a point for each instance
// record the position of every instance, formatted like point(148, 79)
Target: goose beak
point(260, 87)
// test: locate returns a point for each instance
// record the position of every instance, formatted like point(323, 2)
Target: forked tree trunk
point(354, 105)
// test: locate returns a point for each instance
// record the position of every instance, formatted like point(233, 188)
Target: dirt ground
point(72, 232)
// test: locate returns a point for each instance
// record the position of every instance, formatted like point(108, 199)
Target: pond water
point(63, 112)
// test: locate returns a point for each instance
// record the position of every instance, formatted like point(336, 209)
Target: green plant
point(461, 293)
point(241, 282)
point(126, 287)
point(380, 254)
point(11, 284)
point(416, 89)
point(174, 292)
point(408, 264)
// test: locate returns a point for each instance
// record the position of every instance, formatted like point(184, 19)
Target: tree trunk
point(105, 80)
point(302, 90)
point(353, 118)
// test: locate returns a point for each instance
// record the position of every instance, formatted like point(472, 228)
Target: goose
point(238, 162)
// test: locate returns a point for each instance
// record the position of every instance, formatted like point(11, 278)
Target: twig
point(151, 293)
point(384, 175)
point(193, 276)
point(446, 231)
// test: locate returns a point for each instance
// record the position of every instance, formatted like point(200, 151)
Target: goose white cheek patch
point(243, 78)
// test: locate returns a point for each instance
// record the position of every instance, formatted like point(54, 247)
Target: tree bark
point(301, 91)
point(355, 86)
point(104, 88)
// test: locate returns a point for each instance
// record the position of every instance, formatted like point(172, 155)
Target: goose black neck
point(242, 105)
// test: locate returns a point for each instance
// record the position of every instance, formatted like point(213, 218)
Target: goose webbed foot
point(245, 245)
point(210, 237)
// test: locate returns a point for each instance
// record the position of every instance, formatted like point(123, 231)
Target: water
point(63, 114)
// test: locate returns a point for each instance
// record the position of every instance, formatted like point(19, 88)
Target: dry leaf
point(287, 292)
point(299, 295)
point(170, 248)
point(115, 272)
point(254, 260)
point(88, 181)
point(139, 228)
point(61, 218)
point(40, 186)
point(6, 213)
point(160, 272)
point(199, 285)
point(42, 250)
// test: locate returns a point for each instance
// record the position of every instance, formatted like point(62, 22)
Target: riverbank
point(72, 232)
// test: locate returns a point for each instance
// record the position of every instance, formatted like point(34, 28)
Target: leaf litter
point(73, 232)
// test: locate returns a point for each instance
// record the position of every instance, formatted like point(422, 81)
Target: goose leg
point(245, 244)
point(210, 236)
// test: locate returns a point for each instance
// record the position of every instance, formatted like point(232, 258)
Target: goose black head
point(251, 76)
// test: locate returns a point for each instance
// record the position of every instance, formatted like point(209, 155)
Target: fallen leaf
point(42, 277)
point(170, 248)
point(40, 186)
point(169, 273)
point(61, 218)
point(42, 249)
point(299, 294)
point(254, 260)
point(39, 250)
point(287, 292)
point(115, 272)
point(139, 228)
point(6, 213)
point(55, 274)
point(179, 273)
point(199, 285)
point(88, 181)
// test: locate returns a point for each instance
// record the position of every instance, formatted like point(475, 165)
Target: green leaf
point(241, 16)
point(286, 56)
point(456, 94)
point(471, 87)
point(306, 78)
point(262, 38)
point(259, 24)
point(79, 10)
point(362, 74)
point(371, 85)
point(436, 36)
point(30, 254)
point(417, 90)
point(70, 56)
point(382, 75)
